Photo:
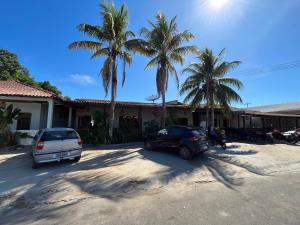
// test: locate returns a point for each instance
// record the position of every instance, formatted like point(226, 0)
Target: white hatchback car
point(56, 144)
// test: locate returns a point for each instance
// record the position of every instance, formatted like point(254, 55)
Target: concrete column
point(70, 117)
point(50, 113)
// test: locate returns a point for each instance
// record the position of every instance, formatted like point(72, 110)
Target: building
point(43, 109)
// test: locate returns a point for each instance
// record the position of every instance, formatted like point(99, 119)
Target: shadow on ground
point(46, 189)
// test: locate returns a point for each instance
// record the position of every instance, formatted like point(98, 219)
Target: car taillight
point(79, 142)
point(194, 138)
point(39, 146)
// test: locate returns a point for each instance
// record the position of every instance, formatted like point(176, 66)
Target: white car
point(56, 144)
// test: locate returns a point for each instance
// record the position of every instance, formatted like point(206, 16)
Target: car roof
point(59, 129)
point(180, 127)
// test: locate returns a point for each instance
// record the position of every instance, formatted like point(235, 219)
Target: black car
point(186, 141)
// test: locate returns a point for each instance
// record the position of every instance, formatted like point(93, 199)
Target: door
point(174, 137)
point(161, 139)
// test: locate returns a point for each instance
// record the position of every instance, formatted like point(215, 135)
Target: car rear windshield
point(197, 132)
point(59, 135)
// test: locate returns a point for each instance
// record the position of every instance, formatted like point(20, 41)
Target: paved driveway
point(112, 175)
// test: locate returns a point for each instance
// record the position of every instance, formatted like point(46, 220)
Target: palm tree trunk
point(112, 102)
point(207, 114)
point(199, 115)
point(164, 109)
point(207, 105)
point(212, 114)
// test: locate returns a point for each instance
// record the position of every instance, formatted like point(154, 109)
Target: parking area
point(118, 172)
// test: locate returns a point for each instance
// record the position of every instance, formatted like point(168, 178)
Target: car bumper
point(199, 148)
point(56, 156)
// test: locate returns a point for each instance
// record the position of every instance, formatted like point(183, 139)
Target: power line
point(278, 67)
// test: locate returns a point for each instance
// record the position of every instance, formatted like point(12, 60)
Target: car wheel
point(185, 153)
point(148, 145)
point(35, 165)
point(76, 159)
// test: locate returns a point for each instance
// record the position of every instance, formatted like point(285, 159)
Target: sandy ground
point(112, 175)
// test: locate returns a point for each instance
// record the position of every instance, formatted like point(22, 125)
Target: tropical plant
point(114, 35)
point(163, 44)
point(207, 81)
point(7, 116)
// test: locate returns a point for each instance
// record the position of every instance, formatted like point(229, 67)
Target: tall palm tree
point(110, 42)
point(163, 44)
point(207, 81)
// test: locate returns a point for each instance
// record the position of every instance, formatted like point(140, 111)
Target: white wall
point(33, 108)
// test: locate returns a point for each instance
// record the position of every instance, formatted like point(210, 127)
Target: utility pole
point(247, 104)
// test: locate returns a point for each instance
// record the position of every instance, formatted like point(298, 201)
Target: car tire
point(76, 159)
point(35, 165)
point(148, 145)
point(185, 153)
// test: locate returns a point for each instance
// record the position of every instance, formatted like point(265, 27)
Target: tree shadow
point(95, 177)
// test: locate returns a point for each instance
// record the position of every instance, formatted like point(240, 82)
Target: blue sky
point(260, 33)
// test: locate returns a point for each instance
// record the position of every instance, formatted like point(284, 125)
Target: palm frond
point(88, 45)
point(91, 30)
point(106, 73)
point(101, 52)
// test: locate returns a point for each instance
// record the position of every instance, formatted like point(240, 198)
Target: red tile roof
point(14, 88)
point(130, 104)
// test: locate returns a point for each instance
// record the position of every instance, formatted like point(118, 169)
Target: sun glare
point(218, 3)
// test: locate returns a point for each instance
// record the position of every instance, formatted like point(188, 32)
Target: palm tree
point(110, 42)
point(207, 81)
point(163, 44)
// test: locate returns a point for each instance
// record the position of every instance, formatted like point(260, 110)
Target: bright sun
point(218, 3)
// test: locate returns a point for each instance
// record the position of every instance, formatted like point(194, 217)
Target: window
point(128, 122)
point(175, 132)
point(182, 121)
point(53, 136)
point(59, 135)
point(84, 122)
point(24, 121)
point(71, 134)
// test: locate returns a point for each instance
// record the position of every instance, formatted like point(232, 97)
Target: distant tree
point(163, 44)
point(67, 98)
point(110, 42)
point(46, 85)
point(208, 82)
point(11, 69)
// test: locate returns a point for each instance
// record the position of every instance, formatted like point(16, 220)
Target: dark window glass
point(175, 132)
point(182, 121)
point(24, 121)
point(53, 135)
point(84, 122)
point(58, 135)
point(71, 135)
point(128, 122)
point(197, 132)
point(37, 135)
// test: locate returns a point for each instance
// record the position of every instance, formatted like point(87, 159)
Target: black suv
point(186, 141)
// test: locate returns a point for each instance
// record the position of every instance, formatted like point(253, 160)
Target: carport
point(283, 122)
